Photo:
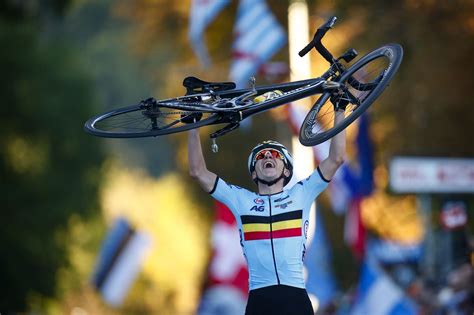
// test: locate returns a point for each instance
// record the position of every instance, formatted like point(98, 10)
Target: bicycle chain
point(179, 113)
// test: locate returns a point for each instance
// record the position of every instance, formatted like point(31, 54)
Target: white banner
point(431, 175)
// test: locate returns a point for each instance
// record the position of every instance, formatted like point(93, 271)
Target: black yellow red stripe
point(278, 226)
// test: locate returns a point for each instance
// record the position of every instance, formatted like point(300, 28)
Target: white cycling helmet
point(270, 144)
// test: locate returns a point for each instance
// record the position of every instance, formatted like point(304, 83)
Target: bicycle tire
point(136, 121)
point(318, 125)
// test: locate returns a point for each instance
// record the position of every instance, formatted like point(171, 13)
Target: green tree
point(50, 169)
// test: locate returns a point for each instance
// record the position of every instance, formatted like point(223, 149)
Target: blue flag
point(119, 261)
point(320, 281)
point(377, 294)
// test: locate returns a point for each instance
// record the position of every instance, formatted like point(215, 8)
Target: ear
point(254, 175)
point(286, 172)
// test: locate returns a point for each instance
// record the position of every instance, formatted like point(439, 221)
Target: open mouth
point(268, 165)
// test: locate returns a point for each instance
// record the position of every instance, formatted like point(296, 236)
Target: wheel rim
point(147, 121)
point(368, 84)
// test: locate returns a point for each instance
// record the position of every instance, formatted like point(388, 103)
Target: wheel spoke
point(145, 120)
point(364, 82)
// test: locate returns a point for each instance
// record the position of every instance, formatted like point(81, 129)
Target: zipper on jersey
point(271, 239)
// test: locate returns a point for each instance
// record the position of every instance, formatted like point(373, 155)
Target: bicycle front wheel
point(363, 83)
point(148, 120)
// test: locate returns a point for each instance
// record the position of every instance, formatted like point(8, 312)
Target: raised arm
point(337, 151)
point(197, 164)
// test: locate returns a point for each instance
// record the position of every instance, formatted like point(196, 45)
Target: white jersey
point(273, 228)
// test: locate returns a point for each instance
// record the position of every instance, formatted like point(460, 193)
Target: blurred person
point(273, 222)
point(452, 291)
point(457, 296)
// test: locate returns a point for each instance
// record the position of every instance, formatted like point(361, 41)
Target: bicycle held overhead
point(273, 238)
point(352, 86)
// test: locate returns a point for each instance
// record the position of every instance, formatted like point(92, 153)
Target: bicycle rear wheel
point(149, 119)
point(363, 83)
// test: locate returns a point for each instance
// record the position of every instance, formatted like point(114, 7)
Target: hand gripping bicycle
point(350, 87)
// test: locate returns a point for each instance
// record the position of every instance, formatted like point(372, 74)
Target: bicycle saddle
point(194, 85)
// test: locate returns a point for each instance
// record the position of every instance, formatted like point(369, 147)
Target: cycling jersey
point(273, 229)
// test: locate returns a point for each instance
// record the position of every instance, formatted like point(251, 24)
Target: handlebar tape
point(316, 41)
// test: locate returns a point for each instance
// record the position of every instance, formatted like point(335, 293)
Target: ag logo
point(259, 201)
point(258, 208)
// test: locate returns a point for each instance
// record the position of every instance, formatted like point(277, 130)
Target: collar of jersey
point(271, 194)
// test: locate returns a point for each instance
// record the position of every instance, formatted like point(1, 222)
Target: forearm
point(196, 160)
point(197, 165)
point(337, 148)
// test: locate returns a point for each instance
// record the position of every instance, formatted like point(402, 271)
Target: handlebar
point(316, 41)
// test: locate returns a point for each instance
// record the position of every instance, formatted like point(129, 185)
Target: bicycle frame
point(281, 100)
point(233, 116)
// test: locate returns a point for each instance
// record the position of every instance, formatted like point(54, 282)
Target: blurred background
point(65, 194)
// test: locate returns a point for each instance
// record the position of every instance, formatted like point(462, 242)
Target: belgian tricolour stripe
point(278, 226)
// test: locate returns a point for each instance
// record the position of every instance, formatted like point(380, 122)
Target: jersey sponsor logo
point(283, 198)
point(259, 201)
point(258, 208)
point(284, 205)
point(282, 225)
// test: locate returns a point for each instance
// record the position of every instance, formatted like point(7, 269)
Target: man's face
point(269, 165)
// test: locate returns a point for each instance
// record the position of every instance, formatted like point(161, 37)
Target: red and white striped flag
point(258, 36)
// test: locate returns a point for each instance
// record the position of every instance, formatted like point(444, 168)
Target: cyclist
point(273, 222)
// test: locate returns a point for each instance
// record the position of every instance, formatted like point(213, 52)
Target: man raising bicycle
point(273, 223)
